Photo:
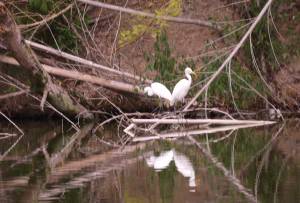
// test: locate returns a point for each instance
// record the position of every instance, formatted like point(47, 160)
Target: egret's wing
point(161, 90)
point(178, 92)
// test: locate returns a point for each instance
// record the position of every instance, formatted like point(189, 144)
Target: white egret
point(160, 90)
point(182, 88)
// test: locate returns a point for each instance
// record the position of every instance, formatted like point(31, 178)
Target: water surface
point(51, 163)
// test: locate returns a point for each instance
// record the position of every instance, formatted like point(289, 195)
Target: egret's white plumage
point(159, 89)
point(182, 87)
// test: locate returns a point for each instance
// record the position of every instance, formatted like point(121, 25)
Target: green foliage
point(265, 30)
point(64, 35)
point(262, 46)
point(220, 87)
point(18, 73)
point(15, 71)
point(163, 63)
point(143, 24)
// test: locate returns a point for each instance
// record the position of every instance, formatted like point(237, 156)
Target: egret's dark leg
point(161, 104)
point(182, 109)
point(175, 109)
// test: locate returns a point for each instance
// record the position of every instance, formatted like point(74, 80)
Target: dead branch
point(40, 80)
point(97, 19)
point(118, 116)
point(15, 80)
point(42, 22)
point(83, 61)
point(83, 77)
point(48, 104)
point(231, 55)
point(150, 15)
point(200, 121)
point(43, 100)
point(6, 135)
point(11, 122)
point(182, 133)
point(14, 94)
point(84, 43)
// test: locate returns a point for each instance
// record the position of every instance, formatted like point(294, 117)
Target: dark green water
point(246, 165)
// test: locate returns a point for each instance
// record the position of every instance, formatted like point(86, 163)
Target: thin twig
point(84, 43)
point(42, 22)
point(43, 100)
point(13, 94)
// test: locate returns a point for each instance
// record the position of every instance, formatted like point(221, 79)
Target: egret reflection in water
point(161, 162)
point(182, 163)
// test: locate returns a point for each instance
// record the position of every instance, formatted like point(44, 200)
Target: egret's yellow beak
point(193, 73)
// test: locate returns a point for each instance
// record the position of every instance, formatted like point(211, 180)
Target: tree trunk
point(40, 80)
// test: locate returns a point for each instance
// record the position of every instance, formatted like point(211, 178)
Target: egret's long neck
point(188, 77)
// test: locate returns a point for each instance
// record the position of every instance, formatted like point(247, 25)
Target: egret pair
point(180, 90)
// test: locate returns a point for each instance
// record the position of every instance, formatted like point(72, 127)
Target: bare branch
point(231, 55)
point(43, 100)
point(42, 22)
point(150, 15)
point(13, 94)
point(97, 19)
point(84, 43)
point(83, 61)
point(200, 121)
point(83, 77)
point(11, 122)
point(15, 80)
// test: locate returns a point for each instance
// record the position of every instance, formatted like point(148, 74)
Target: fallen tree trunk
point(83, 61)
point(79, 76)
point(41, 82)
